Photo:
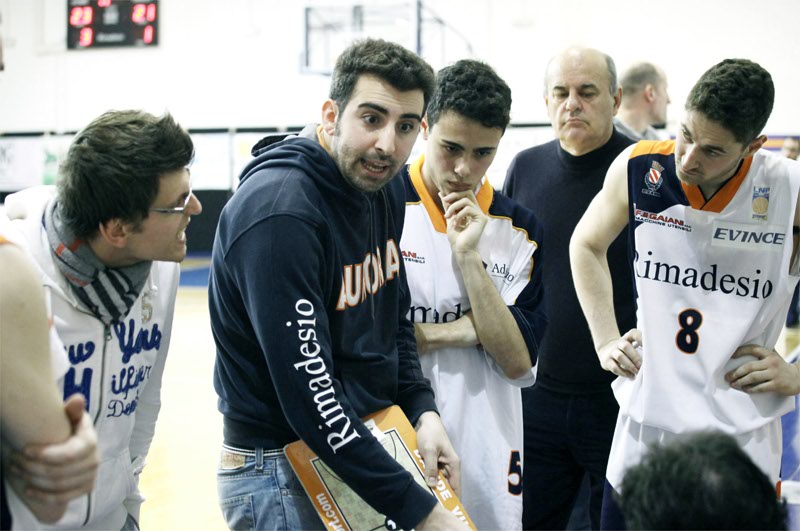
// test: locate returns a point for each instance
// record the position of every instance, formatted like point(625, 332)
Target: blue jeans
point(258, 489)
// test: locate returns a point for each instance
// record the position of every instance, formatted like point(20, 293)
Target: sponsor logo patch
point(745, 236)
point(760, 202)
point(653, 180)
point(411, 256)
point(502, 271)
point(661, 219)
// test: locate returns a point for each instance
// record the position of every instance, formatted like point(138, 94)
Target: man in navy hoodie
point(308, 301)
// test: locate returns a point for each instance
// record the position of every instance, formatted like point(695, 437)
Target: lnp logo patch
point(653, 180)
point(760, 202)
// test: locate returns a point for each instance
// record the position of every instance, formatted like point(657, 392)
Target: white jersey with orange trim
point(710, 276)
point(480, 407)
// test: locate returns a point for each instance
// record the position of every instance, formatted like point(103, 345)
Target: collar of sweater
point(593, 159)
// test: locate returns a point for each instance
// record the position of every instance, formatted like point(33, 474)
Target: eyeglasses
point(175, 210)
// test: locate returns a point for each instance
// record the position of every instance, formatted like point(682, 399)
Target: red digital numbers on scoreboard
point(86, 37)
point(106, 23)
point(81, 16)
point(143, 13)
point(138, 13)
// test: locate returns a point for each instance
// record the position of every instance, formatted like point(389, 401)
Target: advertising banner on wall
point(30, 160)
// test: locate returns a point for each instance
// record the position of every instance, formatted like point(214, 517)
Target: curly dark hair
point(114, 165)
point(401, 68)
point(737, 94)
point(473, 90)
point(703, 482)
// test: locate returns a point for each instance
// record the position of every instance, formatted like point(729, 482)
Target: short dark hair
point(473, 90)
point(398, 66)
point(703, 482)
point(638, 76)
point(114, 166)
point(737, 94)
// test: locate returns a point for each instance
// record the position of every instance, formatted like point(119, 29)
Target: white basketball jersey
point(710, 277)
point(480, 407)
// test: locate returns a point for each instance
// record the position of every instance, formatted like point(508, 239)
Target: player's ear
point(649, 93)
point(330, 112)
point(424, 126)
point(617, 99)
point(755, 145)
point(115, 231)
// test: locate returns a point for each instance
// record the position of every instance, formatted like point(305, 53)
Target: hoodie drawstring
point(372, 242)
point(371, 248)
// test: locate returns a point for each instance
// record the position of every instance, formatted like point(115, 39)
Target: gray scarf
point(108, 293)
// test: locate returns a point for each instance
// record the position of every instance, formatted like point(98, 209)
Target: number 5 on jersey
point(515, 474)
point(687, 338)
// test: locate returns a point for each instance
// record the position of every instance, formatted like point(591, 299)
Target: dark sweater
point(304, 346)
point(558, 187)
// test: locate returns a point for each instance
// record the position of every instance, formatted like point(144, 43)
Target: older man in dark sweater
point(570, 412)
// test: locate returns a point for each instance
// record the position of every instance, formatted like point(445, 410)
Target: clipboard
point(338, 505)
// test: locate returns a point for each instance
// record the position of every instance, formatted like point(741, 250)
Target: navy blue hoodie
point(308, 299)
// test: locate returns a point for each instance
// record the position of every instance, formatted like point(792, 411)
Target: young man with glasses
point(104, 246)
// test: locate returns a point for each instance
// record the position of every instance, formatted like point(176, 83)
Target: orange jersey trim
point(484, 195)
point(721, 197)
point(653, 147)
point(719, 200)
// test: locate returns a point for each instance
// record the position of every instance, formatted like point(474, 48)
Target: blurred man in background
point(644, 102)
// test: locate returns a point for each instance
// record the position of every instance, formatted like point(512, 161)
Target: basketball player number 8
point(687, 339)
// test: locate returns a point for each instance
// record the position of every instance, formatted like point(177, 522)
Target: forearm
point(435, 336)
point(593, 286)
point(495, 327)
point(26, 391)
point(26, 377)
point(602, 222)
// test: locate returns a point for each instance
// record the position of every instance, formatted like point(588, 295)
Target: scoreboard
point(107, 23)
